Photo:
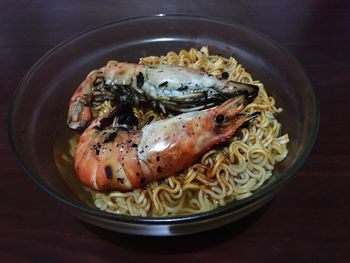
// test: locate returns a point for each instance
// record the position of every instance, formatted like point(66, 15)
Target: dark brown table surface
point(308, 220)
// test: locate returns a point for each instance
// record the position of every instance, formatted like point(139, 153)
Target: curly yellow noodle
point(152, 60)
point(222, 175)
point(172, 58)
point(195, 55)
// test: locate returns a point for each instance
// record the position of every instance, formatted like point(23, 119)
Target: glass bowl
point(41, 101)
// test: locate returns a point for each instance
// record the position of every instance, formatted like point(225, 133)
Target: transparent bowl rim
point(310, 140)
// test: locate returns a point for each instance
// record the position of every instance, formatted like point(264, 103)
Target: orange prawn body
point(118, 159)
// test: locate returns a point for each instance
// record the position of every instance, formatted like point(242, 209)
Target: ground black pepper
point(224, 75)
point(109, 172)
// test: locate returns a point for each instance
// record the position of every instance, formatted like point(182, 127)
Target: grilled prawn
point(170, 87)
point(109, 156)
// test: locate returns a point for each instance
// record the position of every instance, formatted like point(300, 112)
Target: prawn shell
point(124, 154)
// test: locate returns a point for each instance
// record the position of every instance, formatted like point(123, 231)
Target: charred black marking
point(244, 125)
point(140, 79)
point(220, 118)
point(254, 115)
point(134, 120)
point(125, 115)
point(120, 180)
point(122, 119)
point(98, 81)
point(164, 84)
point(205, 93)
point(109, 172)
point(97, 151)
point(134, 145)
point(224, 75)
point(110, 137)
point(158, 109)
point(105, 122)
point(158, 158)
point(182, 88)
point(150, 119)
point(97, 148)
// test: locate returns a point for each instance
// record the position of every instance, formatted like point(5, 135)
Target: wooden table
point(308, 221)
